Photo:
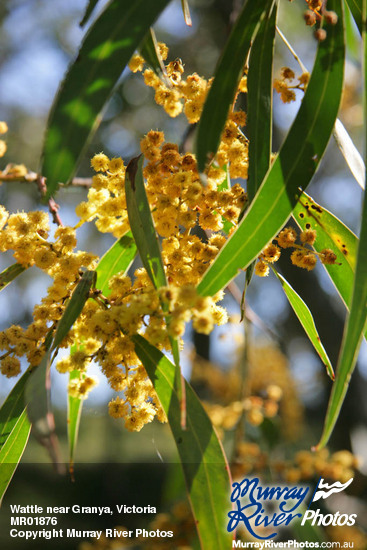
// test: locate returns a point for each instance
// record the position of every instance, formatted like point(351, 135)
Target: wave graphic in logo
point(324, 490)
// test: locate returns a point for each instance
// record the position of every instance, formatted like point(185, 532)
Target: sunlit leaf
point(12, 451)
point(294, 166)
point(350, 153)
point(10, 273)
point(305, 318)
point(205, 468)
point(355, 324)
point(332, 234)
point(117, 258)
point(89, 82)
point(12, 408)
point(226, 79)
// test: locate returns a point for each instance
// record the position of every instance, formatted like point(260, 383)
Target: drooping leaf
point(294, 166)
point(88, 12)
point(141, 222)
point(350, 153)
point(305, 318)
point(186, 12)
point(117, 258)
point(12, 451)
point(74, 307)
point(10, 273)
point(12, 408)
point(332, 234)
point(37, 394)
point(150, 51)
point(89, 82)
point(75, 405)
point(205, 468)
point(355, 7)
point(143, 230)
point(355, 324)
point(259, 101)
point(226, 79)
point(341, 136)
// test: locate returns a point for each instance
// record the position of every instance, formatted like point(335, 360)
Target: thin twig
point(291, 50)
point(52, 205)
point(32, 177)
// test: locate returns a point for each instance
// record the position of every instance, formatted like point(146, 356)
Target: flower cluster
point(317, 13)
point(302, 255)
point(176, 94)
point(288, 83)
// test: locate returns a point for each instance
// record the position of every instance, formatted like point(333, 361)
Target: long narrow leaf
point(205, 469)
point(12, 451)
point(76, 113)
point(143, 230)
point(12, 408)
point(88, 12)
point(334, 235)
point(227, 76)
point(295, 165)
point(149, 50)
point(141, 222)
point(10, 273)
point(350, 153)
point(259, 100)
point(355, 7)
point(117, 258)
point(356, 320)
point(305, 318)
point(74, 307)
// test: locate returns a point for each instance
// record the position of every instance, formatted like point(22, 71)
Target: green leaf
point(186, 12)
point(118, 258)
point(89, 82)
point(10, 273)
point(201, 454)
point(149, 50)
point(12, 451)
point(332, 234)
point(259, 101)
point(74, 307)
point(295, 165)
point(88, 12)
point(12, 408)
point(141, 222)
point(355, 324)
point(355, 7)
point(75, 406)
point(305, 318)
point(226, 79)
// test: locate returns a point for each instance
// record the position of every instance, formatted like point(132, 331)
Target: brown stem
point(52, 205)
